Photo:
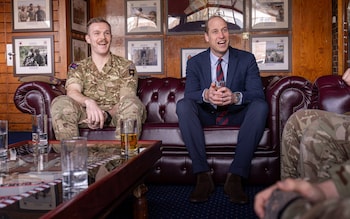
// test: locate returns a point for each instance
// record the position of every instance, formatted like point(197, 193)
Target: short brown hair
point(97, 20)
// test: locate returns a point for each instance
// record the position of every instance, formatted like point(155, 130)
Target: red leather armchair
point(285, 95)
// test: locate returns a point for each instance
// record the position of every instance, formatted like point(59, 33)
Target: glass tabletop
point(31, 181)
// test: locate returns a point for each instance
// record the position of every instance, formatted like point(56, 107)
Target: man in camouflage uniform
point(101, 89)
point(312, 142)
point(316, 153)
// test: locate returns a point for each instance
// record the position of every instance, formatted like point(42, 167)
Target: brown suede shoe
point(204, 188)
point(233, 188)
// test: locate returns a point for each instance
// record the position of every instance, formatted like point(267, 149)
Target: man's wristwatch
point(108, 119)
point(238, 96)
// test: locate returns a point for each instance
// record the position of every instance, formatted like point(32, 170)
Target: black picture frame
point(80, 50)
point(32, 16)
point(147, 55)
point(272, 52)
point(270, 15)
point(79, 13)
point(143, 17)
point(186, 54)
point(189, 18)
point(26, 49)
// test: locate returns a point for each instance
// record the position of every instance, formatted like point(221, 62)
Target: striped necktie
point(222, 118)
point(219, 71)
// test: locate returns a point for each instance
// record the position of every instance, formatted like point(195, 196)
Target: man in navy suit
point(241, 98)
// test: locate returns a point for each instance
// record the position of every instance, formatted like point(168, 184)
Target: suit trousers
point(251, 118)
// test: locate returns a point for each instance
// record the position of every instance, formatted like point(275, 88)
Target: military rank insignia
point(73, 65)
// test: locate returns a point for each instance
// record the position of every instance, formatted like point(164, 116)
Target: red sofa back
point(330, 93)
point(160, 96)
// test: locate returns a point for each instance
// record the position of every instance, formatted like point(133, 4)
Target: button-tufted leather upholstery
point(284, 95)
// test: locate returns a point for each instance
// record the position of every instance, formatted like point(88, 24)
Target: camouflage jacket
point(105, 87)
point(341, 178)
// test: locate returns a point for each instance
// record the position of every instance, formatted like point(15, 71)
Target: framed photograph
point(147, 55)
point(79, 15)
point(33, 55)
point(80, 50)
point(29, 16)
point(272, 53)
point(143, 17)
point(186, 54)
point(270, 14)
point(189, 17)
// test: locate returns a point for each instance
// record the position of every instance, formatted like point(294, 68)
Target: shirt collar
point(214, 59)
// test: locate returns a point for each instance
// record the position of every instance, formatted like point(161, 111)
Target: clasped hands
point(220, 96)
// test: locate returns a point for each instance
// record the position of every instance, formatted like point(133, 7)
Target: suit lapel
point(207, 68)
point(232, 66)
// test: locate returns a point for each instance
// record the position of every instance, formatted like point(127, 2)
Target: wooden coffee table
point(112, 178)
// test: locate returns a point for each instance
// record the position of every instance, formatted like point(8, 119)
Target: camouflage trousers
point(312, 142)
point(68, 115)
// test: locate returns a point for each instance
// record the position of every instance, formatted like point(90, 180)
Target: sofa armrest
point(35, 98)
point(286, 96)
point(331, 93)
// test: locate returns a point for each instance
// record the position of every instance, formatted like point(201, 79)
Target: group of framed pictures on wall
point(272, 52)
point(34, 54)
point(144, 17)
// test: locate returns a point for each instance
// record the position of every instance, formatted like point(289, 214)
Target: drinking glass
point(128, 136)
point(39, 133)
point(74, 155)
point(219, 84)
point(3, 139)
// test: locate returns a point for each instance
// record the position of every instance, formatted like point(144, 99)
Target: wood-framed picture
point(270, 14)
point(189, 17)
point(31, 16)
point(147, 55)
point(80, 49)
point(79, 15)
point(272, 53)
point(143, 17)
point(33, 55)
point(186, 54)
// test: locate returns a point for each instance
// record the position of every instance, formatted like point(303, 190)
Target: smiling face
point(99, 37)
point(217, 35)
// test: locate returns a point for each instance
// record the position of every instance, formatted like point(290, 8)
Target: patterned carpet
point(166, 201)
point(171, 201)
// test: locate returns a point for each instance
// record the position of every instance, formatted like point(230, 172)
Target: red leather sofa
point(284, 95)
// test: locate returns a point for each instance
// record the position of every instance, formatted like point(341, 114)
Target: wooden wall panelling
point(310, 32)
point(19, 121)
point(311, 44)
point(311, 38)
point(343, 40)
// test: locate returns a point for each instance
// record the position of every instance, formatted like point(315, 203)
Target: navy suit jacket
point(242, 76)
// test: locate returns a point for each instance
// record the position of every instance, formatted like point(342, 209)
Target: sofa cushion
point(216, 137)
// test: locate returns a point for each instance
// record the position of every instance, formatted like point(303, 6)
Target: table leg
point(140, 204)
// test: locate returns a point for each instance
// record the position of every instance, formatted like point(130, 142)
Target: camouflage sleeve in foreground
point(341, 178)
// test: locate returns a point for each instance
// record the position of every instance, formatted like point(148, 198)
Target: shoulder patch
point(73, 65)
